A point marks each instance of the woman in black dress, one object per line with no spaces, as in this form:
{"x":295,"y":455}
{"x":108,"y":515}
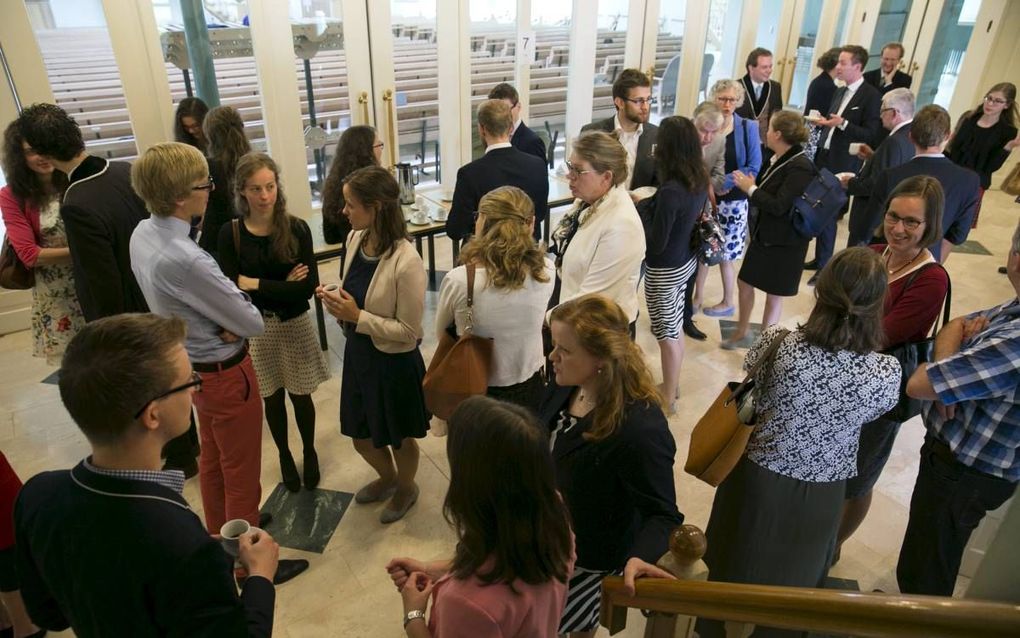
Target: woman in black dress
{"x":819,"y":96}
{"x":985,"y":136}
{"x":358,"y":147}
{"x":775,"y":258}
{"x":224,"y":129}
{"x":380,"y":305}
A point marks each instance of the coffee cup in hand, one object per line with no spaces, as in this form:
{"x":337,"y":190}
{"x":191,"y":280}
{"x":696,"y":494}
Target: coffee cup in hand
{"x":855,"y":148}
{"x":331,"y":287}
{"x":231,"y":532}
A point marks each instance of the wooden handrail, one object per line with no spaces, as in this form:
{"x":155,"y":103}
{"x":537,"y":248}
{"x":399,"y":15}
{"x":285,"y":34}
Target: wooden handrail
{"x":821,"y":610}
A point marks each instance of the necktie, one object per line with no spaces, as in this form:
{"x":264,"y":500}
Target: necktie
{"x":757,"y":92}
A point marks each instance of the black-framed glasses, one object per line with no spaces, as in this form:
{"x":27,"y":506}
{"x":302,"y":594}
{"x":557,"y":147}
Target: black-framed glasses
{"x":208,"y":186}
{"x":574,"y":171}
{"x":641,"y":101}
{"x":725,"y":99}
{"x":909,"y":223}
{"x":196,"y":382}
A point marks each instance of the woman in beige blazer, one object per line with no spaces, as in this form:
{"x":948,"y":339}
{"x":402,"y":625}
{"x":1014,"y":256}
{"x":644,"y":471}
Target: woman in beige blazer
{"x":379,"y":306}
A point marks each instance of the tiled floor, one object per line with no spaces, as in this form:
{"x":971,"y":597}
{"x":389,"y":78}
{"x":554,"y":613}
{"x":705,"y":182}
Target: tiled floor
{"x":347,"y":592}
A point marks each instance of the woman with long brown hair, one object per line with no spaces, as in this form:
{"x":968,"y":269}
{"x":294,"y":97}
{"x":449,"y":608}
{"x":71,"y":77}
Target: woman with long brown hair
{"x":613,"y":452}
{"x":268,"y":253}
{"x":188,"y":119}
{"x":358,"y":147}
{"x":380,"y":305}
{"x":513,"y":282}
{"x":227,"y":143}
{"x":30,"y":203}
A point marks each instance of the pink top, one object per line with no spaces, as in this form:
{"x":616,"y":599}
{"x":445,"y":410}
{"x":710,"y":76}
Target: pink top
{"x":22,"y":226}
{"x":471,"y":609}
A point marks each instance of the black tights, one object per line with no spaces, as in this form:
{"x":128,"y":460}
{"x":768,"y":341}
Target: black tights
{"x":304,"y":414}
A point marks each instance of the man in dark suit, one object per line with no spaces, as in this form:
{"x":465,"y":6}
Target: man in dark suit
{"x":762,"y":95}
{"x":522,"y":138}
{"x":110,"y":547}
{"x":100,"y":211}
{"x":632,"y":96}
{"x":961,"y":186}
{"x":502,"y":165}
{"x":854,"y":117}
{"x":897,"y":148}
{"x":888,"y":76}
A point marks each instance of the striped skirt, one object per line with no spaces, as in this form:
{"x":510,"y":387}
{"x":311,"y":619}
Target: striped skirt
{"x":584,"y":593}
{"x":664,"y":294}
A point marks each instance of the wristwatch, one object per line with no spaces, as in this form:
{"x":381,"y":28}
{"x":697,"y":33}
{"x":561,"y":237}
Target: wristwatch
{"x":414,"y":614}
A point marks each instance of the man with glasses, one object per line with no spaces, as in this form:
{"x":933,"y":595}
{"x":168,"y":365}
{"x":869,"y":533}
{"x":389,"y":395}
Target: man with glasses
{"x":521,"y":137}
{"x":970,"y":460}
{"x":179,"y":279}
{"x":888,"y":76}
{"x":929,"y":132}
{"x":110,"y":547}
{"x":897,"y":114}
{"x":762,"y":96}
{"x":99,"y":211}
{"x":632,"y":97}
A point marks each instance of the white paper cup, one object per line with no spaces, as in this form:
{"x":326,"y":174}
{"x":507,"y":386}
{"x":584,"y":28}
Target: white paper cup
{"x":855,"y":148}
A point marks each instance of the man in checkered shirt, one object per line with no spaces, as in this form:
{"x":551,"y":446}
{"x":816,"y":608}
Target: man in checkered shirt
{"x":970,"y":460}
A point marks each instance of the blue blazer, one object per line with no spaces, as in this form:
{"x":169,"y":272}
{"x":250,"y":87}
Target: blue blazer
{"x":748,"y":150}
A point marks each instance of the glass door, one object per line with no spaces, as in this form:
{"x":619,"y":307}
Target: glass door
{"x":797,"y":54}
{"x":939,"y":67}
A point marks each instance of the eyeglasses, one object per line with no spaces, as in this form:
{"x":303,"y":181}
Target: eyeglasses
{"x":995,"y":100}
{"x":379,"y":145}
{"x":641,"y":101}
{"x":208,"y":186}
{"x":196,"y":382}
{"x":908,"y":222}
{"x":572,"y":171}
{"x":726,"y":100}
{"x":888,"y":108}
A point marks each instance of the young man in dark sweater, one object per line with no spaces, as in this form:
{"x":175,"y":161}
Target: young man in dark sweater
{"x":110,"y":547}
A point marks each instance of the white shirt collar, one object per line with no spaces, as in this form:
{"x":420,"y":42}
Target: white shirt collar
{"x":493,"y":147}
{"x":618,"y":127}
{"x":900,"y":125}
{"x":517,"y":125}
{"x":940,"y":155}
{"x":856,"y":85}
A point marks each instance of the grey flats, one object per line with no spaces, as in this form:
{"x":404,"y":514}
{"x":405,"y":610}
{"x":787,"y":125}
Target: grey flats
{"x":391,"y":516}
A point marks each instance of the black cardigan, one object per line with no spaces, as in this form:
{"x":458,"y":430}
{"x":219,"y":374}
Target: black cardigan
{"x":620,"y":491}
{"x":219,"y":210}
{"x":780,"y":184}
{"x":118,"y":557}
{"x":286,"y":299}
{"x":670,"y":225}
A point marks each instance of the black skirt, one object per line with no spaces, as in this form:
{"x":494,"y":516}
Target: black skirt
{"x":381,"y":396}
{"x":877,"y":439}
{"x":775,"y":270}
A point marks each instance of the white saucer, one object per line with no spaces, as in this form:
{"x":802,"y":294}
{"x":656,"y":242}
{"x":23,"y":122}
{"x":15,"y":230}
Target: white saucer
{"x":437,"y":219}
{"x":417,"y":223}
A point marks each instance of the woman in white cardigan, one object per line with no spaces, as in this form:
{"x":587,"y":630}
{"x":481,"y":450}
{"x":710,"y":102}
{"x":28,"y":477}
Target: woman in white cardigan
{"x":380,"y":305}
{"x":599,"y":244}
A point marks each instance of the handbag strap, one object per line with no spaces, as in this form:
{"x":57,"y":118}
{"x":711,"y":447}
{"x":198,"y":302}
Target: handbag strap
{"x":236,"y":226}
{"x":946,"y":307}
{"x":765,"y":359}
{"x":470,"y":297}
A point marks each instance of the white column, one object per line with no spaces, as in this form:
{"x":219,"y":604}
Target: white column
{"x":650,"y":40}
{"x":826,"y":32}
{"x":584,"y":23}
{"x":453,"y":28}
{"x":524,"y":55}
{"x":989,"y":23}
{"x":273,"y":44}
{"x":862,"y":26}
{"x":633,"y":47}
{"x":354,"y":15}
{"x":381,"y":73}
{"x":136,"y":48}
{"x":692,"y":56}
{"x":746,"y":38}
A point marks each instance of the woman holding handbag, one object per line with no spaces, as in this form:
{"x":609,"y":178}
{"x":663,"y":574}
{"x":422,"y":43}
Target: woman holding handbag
{"x":512,"y":285}
{"x":669,"y":260}
{"x":613,"y":453}
{"x":30,"y":203}
{"x":774,"y":518}
{"x":917,"y":292}
{"x":268,"y":254}
{"x":514,"y":550}
{"x":743,"y":154}
{"x":775,"y":258}
{"x":380,"y":304}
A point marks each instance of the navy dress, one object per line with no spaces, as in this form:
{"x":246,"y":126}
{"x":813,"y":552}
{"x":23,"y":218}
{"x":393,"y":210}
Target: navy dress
{"x":381,"y":396}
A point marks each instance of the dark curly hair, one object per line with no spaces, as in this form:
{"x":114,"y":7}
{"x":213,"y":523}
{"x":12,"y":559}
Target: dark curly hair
{"x":190,"y":107}
{"x":51,"y":132}
{"x":678,"y":154}
{"x":24,"y":182}
{"x":224,"y":133}
{"x":354,"y":150}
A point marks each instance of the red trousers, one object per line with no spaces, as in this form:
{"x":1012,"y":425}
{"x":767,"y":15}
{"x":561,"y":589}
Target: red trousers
{"x":10,"y":485}
{"x":230,"y":415}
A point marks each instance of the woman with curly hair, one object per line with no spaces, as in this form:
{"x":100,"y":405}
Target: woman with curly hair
{"x":358,"y":147}
{"x":224,"y":129}
{"x":31,"y":212}
{"x":513,"y":283}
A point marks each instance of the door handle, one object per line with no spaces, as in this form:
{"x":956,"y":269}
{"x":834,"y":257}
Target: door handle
{"x":391,"y":124}
{"x":363,"y":101}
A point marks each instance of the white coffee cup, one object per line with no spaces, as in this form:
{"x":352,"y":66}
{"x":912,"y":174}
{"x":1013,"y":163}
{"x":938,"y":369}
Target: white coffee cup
{"x":331,"y":287}
{"x":855,"y":148}
{"x":814,"y":114}
{"x":440,"y":214}
{"x":420,"y":218}
{"x":230,"y":535}
{"x":421,"y":202}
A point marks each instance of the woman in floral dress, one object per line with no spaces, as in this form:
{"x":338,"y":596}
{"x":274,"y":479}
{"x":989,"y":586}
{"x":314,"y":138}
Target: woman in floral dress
{"x":31,"y":213}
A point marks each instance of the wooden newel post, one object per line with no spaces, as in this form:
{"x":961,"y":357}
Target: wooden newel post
{"x":687,"y":545}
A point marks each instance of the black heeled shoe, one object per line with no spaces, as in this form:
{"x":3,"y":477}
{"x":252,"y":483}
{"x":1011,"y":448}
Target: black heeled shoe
{"x":311,"y":470}
{"x":291,"y":479}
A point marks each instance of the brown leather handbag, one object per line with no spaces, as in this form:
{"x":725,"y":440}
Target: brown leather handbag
{"x":460,"y":367}
{"x":721,"y":435}
{"x":14,"y":274}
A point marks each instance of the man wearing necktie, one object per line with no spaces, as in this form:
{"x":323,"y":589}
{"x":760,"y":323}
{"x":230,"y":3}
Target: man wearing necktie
{"x":854,"y":117}
{"x":764,"y":95}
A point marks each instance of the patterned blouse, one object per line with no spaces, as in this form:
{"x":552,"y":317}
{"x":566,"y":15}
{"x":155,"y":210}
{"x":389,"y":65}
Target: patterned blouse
{"x":812,"y":403}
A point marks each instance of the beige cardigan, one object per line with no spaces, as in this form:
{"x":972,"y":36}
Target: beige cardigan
{"x":395,"y":301}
